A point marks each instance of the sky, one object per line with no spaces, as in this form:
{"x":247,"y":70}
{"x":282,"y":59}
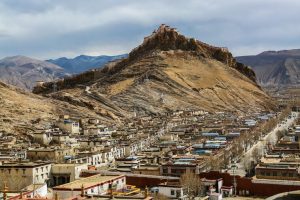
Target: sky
{"x":47,"y":29}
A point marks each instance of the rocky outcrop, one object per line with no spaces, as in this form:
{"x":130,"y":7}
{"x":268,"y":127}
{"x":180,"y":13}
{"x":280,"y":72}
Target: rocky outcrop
{"x":166,"y":38}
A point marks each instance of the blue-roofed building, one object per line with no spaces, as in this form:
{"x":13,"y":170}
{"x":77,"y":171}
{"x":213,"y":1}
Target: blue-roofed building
{"x":202,"y":152}
{"x":222,"y":138}
{"x":210,"y":135}
{"x":212,"y":146}
{"x":232,"y":135}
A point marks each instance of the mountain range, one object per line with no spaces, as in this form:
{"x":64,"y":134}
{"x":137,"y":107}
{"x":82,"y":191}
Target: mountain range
{"x":83,"y":63}
{"x":275,"y":68}
{"x":168,"y":71}
{"x":25,"y":72}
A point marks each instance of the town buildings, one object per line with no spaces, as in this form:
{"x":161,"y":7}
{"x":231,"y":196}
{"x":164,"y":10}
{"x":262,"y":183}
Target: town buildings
{"x":152,"y":151}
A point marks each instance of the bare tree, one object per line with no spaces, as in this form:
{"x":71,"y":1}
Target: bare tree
{"x":255,"y":154}
{"x":214,"y":162}
{"x":280,"y":134}
{"x":191,"y":184}
{"x":225,"y":158}
{"x":247,"y":164}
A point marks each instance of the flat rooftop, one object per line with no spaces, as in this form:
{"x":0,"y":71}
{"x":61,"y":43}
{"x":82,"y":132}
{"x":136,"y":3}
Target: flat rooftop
{"x":23,"y":164}
{"x":88,"y":182}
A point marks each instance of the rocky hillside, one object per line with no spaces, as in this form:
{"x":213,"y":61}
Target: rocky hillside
{"x":83,"y":63}
{"x":275,"y":68}
{"x":166,"y":72}
{"x":24,"y":72}
{"x":22,"y":111}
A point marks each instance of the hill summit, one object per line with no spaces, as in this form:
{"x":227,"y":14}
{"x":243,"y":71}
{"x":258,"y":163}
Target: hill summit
{"x":168,"y":71}
{"x":166,"y":38}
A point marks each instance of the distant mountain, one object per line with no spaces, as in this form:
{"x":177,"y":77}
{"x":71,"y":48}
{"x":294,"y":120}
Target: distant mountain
{"x":83,"y":63}
{"x":24,"y":72}
{"x":275,"y":68}
{"x":167,"y":72}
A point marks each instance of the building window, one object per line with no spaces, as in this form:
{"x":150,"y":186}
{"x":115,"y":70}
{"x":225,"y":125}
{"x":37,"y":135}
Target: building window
{"x":274,"y":173}
{"x":172,"y":192}
{"x":92,"y":190}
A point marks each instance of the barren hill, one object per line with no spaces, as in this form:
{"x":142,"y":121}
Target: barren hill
{"x":22,"y":111}
{"x":166,"y":72}
{"x":275,"y":68}
{"x":24,"y":72}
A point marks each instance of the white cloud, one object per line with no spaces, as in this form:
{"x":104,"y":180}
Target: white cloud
{"x":50,"y":28}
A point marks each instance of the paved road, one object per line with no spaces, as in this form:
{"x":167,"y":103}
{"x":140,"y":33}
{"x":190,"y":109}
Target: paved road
{"x":270,"y":137}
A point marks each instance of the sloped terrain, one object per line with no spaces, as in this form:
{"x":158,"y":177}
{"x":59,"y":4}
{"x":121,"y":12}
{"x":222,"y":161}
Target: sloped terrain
{"x":22,"y":111}
{"x":166,"y":72}
{"x":24,"y":72}
{"x":275,"y":68}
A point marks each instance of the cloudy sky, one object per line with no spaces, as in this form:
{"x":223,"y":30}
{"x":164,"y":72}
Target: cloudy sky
{"x":55,"y":28}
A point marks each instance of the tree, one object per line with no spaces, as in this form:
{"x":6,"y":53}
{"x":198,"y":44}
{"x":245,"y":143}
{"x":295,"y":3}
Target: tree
{"x":247,"y":164}
{"x":280,"y":134}
{"x":214,"y":162}
{"x":256,"y":154}
{"x":226,"y":158}
{"x":191,"y":184}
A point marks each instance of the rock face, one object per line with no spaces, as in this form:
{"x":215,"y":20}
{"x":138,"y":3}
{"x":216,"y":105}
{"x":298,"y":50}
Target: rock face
{"x":275,"y":68}
{"x":166,"y":72}
{"x":83,"y":63}
{"x":24,"y":72}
